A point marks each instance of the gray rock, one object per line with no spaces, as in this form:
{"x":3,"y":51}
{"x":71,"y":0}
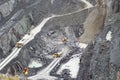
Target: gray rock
{"x":7,"y":7}
{"x":100,"y":60}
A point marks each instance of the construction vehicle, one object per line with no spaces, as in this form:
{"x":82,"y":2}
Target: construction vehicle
{"x":64,"y":40}
{"x":19,"y":45}
{"x":25,"y":71}
{"x":56,"y":55}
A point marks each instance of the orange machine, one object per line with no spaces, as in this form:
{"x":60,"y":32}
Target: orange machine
{"x":25,"y":71}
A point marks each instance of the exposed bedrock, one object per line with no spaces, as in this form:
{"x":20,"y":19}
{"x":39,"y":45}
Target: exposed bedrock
{"x":18,"y":17}
{"x":100,"y":60}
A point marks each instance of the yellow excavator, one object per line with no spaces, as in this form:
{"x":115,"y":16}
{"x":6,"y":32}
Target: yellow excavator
{"x":19,"y":45}
{"x":56,"y":55}
{"x":64,"y":40}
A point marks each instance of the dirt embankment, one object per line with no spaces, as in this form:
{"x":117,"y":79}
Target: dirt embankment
{"x":94,"y":24}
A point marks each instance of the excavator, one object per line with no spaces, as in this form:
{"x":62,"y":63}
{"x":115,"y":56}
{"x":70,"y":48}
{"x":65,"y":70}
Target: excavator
{"x":25,"y":71}
{"x":56,"y":55}
{"x":19,"y":45}
{"x":64,"y":40}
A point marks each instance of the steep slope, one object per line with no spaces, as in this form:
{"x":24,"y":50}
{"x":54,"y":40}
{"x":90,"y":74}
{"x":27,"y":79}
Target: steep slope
{"x":100,"y":60}
{"x":93,"y":24}
{"x":21,"y":16}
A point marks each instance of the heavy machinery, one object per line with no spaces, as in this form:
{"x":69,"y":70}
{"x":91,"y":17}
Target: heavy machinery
{"x":25,"y":71}
{"x":19,"y":45}
{"x":56,"y":55}
{"x":64,"y":40}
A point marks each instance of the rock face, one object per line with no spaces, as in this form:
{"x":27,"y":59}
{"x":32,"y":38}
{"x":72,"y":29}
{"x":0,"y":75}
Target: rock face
{"x":92,"y":1}
{"x":18,"y":17}
{"x":100,"y":60}
{"x":7,"y":7}
{"x":9,"y":39}
{"x":14,"y":28}
{"x":93,"y":24}
{"x":49,"y":40}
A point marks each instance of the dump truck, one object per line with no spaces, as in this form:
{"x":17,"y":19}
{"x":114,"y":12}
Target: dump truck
{"x":19,"y":45}
{"x":56,"y":55}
